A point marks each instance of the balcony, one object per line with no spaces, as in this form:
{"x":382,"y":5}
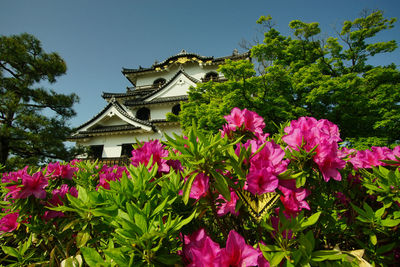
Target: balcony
{"x":214,"y":79}
{"x":120,"y":161}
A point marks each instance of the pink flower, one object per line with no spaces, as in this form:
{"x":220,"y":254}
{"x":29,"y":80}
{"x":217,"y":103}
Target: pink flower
{"x":58,"y":196}
{"x":60,"y":170}
{"x":31,"y":185}
{"x":200,"y":250}
{"x":265,"y":166}
{"x":293,"y":198}
{"x":110,"y":174}
{"x":372,"y":158}
{"x":9,"y":222}
{"x":14,"y":176}
{"x":328,"y":160}
{"x":307,"y":133}
{"x":200,"y":186}
{"x":237,"y":252}
{"x":261,"y":181}
{"x":150,"y":149}
{"x":225,"y":206}
{"x":243,"y":120}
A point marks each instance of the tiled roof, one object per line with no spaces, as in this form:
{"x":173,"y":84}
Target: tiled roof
{"x":120,"y":109}
{"x":183,"y":53}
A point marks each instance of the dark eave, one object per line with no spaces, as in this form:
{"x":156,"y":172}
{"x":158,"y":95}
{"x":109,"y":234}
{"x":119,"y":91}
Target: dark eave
{"x":107,"y":129}
{"x":156,"y":101}
{"x":135,"y":93}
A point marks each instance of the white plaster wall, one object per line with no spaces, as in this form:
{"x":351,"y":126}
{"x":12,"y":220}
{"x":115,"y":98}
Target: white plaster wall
{"x":159,"y":112}
{"x":193,"y":69}
{"x":110,"y":151}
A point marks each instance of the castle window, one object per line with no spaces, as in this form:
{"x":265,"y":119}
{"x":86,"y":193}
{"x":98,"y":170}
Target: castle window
{"x":159,"y":82}
{"x":143,"y":114}
{"x":126,"y":150}
{"x":96,"y":152}
{"x":211,"y":76}
{"x":176,"y":109}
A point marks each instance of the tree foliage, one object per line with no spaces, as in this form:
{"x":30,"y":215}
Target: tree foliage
{"x":305,"y":75}
{"x":27,"y":133}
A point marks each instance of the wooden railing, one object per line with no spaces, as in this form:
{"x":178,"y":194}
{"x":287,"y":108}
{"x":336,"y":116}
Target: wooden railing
{"x":120,"y":161}
{"x":215,"y":79}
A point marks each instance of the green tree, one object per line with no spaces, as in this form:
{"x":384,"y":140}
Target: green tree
{"x":305,"y":75}
{"x":27,"y":135}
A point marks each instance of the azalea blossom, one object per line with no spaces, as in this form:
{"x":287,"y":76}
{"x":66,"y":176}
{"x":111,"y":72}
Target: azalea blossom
{"x":150,"y":149}
{"x":110,"y":174}
{"x":200,"y":186}
{"x":30,"y":185}
{"x":237,"y":252}
{"x":58,"y":196}
{"x":14,"y":176}
{"x":373,"y":157}
{"x":243,"y":120}
{"x":199,"y":250}
{"x":61,"y":170}
{"x":9,"y":222}
{"x":293,"y":198}
{"x":265,"y":166}
{"x":224,"y":207}
{"x":307,"y":133}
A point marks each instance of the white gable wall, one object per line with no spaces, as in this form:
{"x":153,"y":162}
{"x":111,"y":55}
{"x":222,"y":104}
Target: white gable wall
{"x":193,"y":69}
{"x":114,"y":120}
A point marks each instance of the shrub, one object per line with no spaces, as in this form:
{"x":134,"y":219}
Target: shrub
{"x":238,"y":198}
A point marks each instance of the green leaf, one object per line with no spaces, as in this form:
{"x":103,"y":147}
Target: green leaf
{"x":390,"y":222}
{"x":185,"y":221}
{"x":308,"y":241}
{"x":323,"y":255}
{"x":140,"y":221}
{"x":26,"y":245}
{"x":221,"y":185}
{"x":269,"y":248}
{"x":310,"y":220}
{"x":385,"y":248}
{"x":159,"y":207}
{"x":372,"y":238}
{"x":82,"y":238}
{"x":187,"y":187}
{"x":11,"y":251}
{"x":82,"y":194}
{"x":277,"y":257}
{"x":301,"y":181}
{"x":369,"y":210}
{"x":92,"y":257}
{"x":379,"y":213}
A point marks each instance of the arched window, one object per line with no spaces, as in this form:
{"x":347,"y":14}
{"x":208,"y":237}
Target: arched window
{"x":159,"y":82}
{"x":211,"y":76}
{"x":176,"y":109}
{"x":143,"y":114}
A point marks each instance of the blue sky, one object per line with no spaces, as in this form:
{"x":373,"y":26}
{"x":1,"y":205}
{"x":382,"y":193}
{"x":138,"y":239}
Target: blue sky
{"x":98,"y":38}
